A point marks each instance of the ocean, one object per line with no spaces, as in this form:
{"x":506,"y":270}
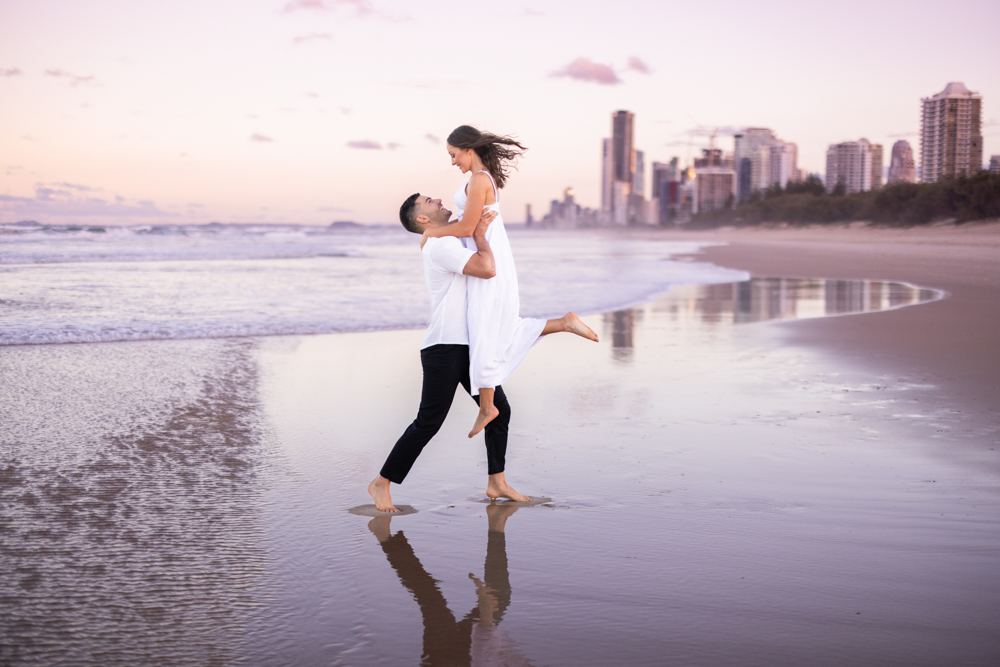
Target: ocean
{"x":70,"y":284}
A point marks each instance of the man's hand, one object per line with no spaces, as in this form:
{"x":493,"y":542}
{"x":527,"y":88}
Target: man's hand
{"x":482,"y":265}
{"x":485,"y":219}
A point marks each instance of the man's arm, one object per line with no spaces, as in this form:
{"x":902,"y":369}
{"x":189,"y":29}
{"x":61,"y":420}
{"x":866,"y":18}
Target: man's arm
{"x":481,"y":265}
{"x":466,"y":227}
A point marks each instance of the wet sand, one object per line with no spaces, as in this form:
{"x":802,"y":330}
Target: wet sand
{"x":724,"y":490}
{"x":954,"y":344}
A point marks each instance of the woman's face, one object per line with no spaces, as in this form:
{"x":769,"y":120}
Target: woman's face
{"x":461,"y":158}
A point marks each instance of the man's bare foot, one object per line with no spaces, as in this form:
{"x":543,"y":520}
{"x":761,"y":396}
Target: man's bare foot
{"x":573,"y":324}
{"x":379,"y":490}
{"x":482,"y":419}
{"x":498,"y":487}
{"x":380,"y":528}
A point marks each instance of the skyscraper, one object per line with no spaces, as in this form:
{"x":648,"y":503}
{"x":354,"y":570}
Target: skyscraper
{"x":618,"y":203}
{"x":663,"y":172}
{"x":850,"y":163}
{"x":995,"y":164}
{"x":714,"y":188}
{"x":640,"y":174}
{"x":607,"y":175}
{"x":783,"y":163}
{"x":951,"y":134}
{"x":623,"y":148}
{"x":752,"y":160}
{"x":901,"y":165}
{"x":876,"y":178}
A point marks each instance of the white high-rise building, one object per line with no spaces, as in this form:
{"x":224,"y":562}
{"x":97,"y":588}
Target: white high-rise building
{"x":876,"y":166}
{"x":607,"y":176}
{"x":901,"y":165}
{"x":714,"y":188}
{"x":640,"y":174}
{"x":951,"y":134}
{"x":620,"y":193}
{"x":850,"y":163}
{"x":752,"y":160}
{"x":783,"y":163}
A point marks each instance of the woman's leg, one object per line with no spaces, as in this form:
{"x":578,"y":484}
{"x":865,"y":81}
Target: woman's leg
{"x":570,"y":323}
{"x":487,"y":411}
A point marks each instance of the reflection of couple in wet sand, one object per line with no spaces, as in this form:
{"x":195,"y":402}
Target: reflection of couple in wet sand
{"x":476,"y":639}
{"x":476,"y":336}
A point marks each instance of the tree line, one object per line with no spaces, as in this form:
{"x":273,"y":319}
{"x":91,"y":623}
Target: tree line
{"x":962,"y":199}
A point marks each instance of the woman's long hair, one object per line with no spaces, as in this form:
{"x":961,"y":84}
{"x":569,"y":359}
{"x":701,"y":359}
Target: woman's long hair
{"x":497,"y":153}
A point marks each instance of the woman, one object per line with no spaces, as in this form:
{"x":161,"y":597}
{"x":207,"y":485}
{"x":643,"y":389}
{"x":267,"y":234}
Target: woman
{"x":498,"y":337}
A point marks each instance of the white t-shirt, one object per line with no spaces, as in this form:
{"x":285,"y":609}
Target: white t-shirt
{"x":444,"y":260}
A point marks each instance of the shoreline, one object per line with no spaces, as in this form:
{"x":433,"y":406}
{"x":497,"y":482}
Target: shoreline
{"x":953,"y":343}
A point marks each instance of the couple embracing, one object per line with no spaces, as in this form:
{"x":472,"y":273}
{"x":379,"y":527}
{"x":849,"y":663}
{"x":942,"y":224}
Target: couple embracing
{"x":476,"y":336}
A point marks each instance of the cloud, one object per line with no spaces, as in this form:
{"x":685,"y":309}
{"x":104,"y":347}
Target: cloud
{"x":11,"y":71}
{"x":365,"y":144}
{"x":638,"y":65}
{"x":295,"y":5}
{"x":584,"y":69}
{"x":75,"y":186}
{"x":73,"y":79}
{"x":312,"y":37}
{"x":362,"y":7}
{"x":261,"y":138}
{"x":533,"y":12}
{"x":992,"y":122}
{"x":314,"y":96}
{"x":430,"y":137}
{"x":67,"y":200}
{"x":393,"y":146}
{"x":333,"y":209}
{"x":434,"y":84}
{"x":903,"y":135}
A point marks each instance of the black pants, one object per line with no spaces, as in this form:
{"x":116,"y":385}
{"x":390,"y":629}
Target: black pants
{"x":445,"y":367}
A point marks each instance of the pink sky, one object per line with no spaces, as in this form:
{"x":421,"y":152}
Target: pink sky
{"x":311,"y":111}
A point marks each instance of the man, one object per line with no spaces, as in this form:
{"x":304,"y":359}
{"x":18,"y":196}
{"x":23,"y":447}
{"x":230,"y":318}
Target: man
{"x":444,"y":353}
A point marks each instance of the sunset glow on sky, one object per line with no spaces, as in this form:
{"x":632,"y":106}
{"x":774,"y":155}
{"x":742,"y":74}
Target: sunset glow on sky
{"x":311,"y":111}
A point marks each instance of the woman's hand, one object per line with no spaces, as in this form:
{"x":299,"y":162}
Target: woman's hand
{"x":423,"y":239}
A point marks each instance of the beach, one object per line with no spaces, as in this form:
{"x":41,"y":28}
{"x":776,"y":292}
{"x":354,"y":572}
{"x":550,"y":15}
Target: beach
{"x":800,"y":468}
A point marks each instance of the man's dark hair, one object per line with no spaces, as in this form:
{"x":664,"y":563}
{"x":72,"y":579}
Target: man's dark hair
{"x":408,"y":214}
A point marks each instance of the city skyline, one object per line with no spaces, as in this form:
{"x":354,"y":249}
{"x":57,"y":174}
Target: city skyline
{"x":312,"y":111}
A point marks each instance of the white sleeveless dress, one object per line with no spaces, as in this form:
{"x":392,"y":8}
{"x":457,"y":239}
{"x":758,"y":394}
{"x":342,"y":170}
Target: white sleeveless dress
{"x":499,"y":338}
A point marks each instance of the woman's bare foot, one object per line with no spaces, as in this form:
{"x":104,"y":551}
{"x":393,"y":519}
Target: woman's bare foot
{"x":498,"y":487}
{"x":484,"y":418}
{"x":573,"y":324}
{"x":379,"y":490}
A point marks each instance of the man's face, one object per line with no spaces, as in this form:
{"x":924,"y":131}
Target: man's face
{"x":432,"y":210}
